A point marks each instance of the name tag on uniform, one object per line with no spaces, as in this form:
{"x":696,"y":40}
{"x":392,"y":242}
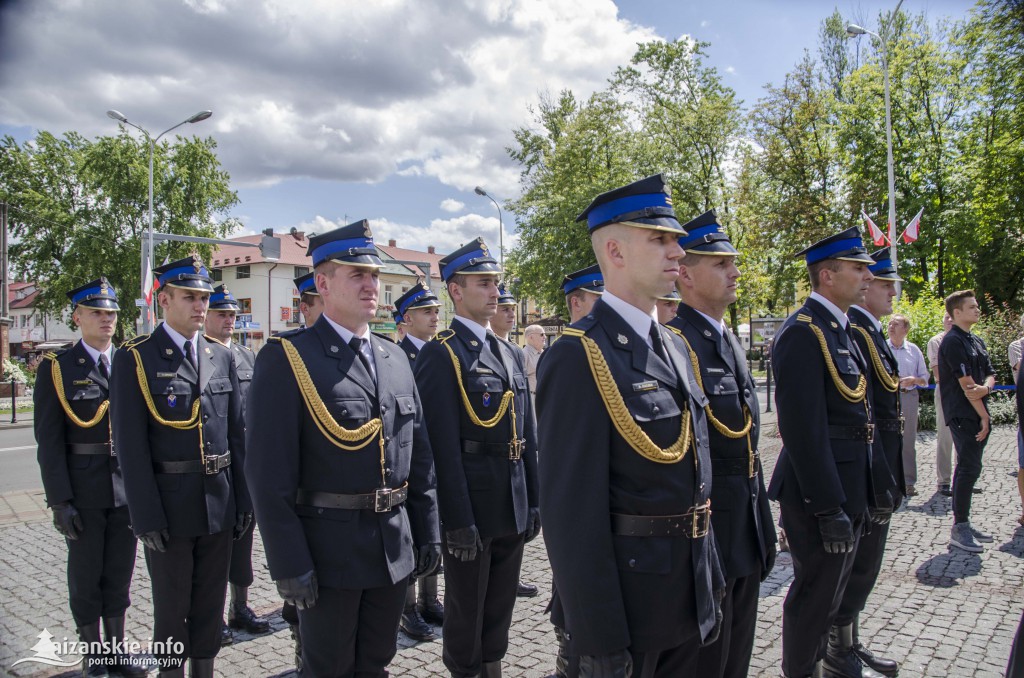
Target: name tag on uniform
{"x":714,"y":370}
{"x":83,"y":382}
{"x":166,"y":375}
{"x":842,"y":351}
{"x":646,"y":386}
{"x":483,"y":370}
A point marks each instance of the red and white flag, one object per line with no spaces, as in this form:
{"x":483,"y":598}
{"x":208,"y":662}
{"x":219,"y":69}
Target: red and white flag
{"x":910,"y":233}
{"x":147,"y":284}
{"x":876,"y":233}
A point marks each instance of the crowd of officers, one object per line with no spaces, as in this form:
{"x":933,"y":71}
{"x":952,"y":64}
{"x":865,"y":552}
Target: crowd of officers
{"x":370,"y":466}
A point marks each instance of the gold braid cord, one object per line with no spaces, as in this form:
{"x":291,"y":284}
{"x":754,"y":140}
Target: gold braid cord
{"x":854,"y":395}
{"x":719,"y":426}
{"x":506,"y":397}
{"x":619,"y":413}
{"x":889,"y":382}
{"x":58,"y":385}
{"x":184,"y":425}
{"x":338,"y":435}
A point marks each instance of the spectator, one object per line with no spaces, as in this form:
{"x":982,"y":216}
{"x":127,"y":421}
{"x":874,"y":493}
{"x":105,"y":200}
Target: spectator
{"x":1020,"y":452}
{"x":534,"y":347}
{"x":1014,"y":351}
{"x":943,"y":438}
{"x":913,"y":374}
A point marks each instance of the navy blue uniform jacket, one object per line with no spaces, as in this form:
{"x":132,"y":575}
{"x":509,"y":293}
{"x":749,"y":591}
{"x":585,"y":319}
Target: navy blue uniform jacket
{"x":494,"y":493}
{"x":740,"y":512}
{"x":817,"y":471}
{"x":86,"y":480}
{"x":348,"y":549}
{"x":614,"y":591}
{"x":187,"y":504}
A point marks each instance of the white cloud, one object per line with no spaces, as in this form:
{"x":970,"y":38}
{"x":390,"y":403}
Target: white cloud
{"x":705,"y":23}
{"x":730,"y":70}
{"x":340,"y":91}
{"x":452,"y":205}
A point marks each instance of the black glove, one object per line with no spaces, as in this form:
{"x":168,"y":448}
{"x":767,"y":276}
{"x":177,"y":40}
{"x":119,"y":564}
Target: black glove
{"x":716,"y":630}
{"x":836,"y":531}
{"x":769,"y":560}
{"x":428,"y":557}
{"x":155,"y":540}
{"x":618,"y":664}
{"x":464,"y":543}
{"x":300,"y":591}
{"x":67,"y":520}
{"x":881,"y":512}
{"x":243,"y":521}
{"x":532,"y":525}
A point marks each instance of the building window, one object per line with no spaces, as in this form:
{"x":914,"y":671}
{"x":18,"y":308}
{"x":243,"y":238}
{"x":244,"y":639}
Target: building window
{"x":245,"y":304}
{"x":242,"y":272}
{"x":216,"y":274}
{"x":387,"y":295}
{"x":39,"y":319}
{"x":301,"y":271}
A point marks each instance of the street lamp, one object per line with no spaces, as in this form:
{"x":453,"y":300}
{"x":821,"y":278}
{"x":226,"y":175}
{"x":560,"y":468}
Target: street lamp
{"x":117,"y":115}
{"x":501,"y":227}
{"x":853,"y":31}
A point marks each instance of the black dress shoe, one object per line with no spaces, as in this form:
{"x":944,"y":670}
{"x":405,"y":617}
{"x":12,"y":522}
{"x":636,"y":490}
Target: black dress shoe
{"x":977,"y":490}
{"x":945,"y":491}
{"x":241,"y":617}
{"x":432,"y":611}
{"x":226,"y":637}
{"x":887,"y":667}
{"x":414,"y":626}
{"x":524,"y":590}
{"x":846,"y":665}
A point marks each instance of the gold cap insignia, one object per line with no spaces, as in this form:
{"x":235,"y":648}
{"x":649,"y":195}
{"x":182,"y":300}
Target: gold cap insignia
{"x":197,"y":266}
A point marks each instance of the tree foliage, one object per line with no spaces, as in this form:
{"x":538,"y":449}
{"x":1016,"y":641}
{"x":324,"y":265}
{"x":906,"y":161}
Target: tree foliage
{"x":80,"y":209}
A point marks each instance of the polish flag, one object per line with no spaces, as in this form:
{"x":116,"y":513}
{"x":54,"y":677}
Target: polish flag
{"x":876,"y":233}
{"x":911,"y":232}
{"x":150,"y":285}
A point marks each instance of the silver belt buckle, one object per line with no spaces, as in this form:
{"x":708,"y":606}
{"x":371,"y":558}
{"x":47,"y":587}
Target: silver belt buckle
{"x":210,"y":465}
{"x":382,"y":499}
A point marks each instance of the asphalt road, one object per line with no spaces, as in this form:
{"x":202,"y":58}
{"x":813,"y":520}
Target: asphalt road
{"x":18,"y":467}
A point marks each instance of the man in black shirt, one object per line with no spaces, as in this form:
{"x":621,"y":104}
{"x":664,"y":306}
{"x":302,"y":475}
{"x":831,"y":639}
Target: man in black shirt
{"x":963,"y":359}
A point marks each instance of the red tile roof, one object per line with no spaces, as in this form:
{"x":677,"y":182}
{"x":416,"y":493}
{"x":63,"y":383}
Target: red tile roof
{"x":26,"y":302}
{"x":293,"y":251}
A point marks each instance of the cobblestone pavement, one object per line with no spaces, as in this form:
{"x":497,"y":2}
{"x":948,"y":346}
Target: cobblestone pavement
{"x":940,"y":613}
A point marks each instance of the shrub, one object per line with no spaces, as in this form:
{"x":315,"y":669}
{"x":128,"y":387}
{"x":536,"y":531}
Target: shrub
{"x":14,"y":370}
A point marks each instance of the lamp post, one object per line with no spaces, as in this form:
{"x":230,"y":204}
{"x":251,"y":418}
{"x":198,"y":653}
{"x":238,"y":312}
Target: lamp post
{"x":853,"y":31}
{"x":147,"y":252}
{"x":501,"y":227}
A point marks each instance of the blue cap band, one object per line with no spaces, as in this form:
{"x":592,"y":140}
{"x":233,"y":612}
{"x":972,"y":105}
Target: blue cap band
{"x":631,"y":203}
{"x":187,"y":272}
{"x":308,"y":286}
{"x":94,"y":293}
{"x":411,"y":300}
{"x":581,"y":281}
{"x":883,"y":265}
{"x":456,"y":265}
{"x":832,"y":248}
{"x":351,"y":247}
{"x":702,"y":235}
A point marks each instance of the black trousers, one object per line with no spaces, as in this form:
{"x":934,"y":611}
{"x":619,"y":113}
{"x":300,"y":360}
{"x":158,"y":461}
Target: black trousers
{"x":729,"y":656}
{"x":479,"y":597}
{"x":100,"y":565}
{"x":867,"y":563}
{"x":1015,"y":667}
{"x":189,"y":580}
{"x":351,"y":632}
{"x":968,"y":465}
{"x":819,"y":581}
{"x":240,"y":573}
{"x":671,"y":663}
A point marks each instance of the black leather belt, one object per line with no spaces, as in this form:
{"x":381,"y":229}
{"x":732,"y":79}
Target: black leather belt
{"x":90,"y":448}
{"x":865,"y":432}
{"x":380,"y":500}
{"x":735,"y":466}
{"x":694,"y":524}
{"x":890,"y":425}
{"x":511,"y":450}
{"x":211,"y":465}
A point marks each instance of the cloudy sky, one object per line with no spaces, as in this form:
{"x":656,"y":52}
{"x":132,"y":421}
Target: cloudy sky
{"x":329,"y":111}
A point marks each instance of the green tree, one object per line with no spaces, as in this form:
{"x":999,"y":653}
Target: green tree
{"x":80,"y":209}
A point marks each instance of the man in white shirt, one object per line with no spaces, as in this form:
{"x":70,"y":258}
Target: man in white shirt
{"x":913,"y":374}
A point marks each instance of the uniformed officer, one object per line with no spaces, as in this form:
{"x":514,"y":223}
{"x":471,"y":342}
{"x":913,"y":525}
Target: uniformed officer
{"x":176,"y":411}
{"x":846,"y":655}
{"x":220,"y":324}
{"x":741,"y":514}
{"x":502,"y":324}
{"x":582,"y":289}
{"x":82,"y":478}
{"x":625,"y":498}
{"x":311,"y":305}
{"x":667,"y":306}
{"x":340,"y":467}
{"x":416,"y":312}
{"x":476,"y":403}
{"x":821,"y":479}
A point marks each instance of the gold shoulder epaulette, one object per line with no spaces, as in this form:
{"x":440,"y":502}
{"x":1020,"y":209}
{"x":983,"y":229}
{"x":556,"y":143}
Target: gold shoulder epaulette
{"x":573,"y":332}
{"x":49,"y":354}
{"x":276,"y":340}
{"x":804,"y":318}
{"x":214,"y":340}
{"x":135,"y":341}
{"x":444,"y":335}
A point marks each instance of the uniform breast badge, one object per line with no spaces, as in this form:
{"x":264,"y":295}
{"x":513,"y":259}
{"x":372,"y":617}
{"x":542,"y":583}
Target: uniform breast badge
{"x":172,"y":400}
{"x":487,"y":399}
